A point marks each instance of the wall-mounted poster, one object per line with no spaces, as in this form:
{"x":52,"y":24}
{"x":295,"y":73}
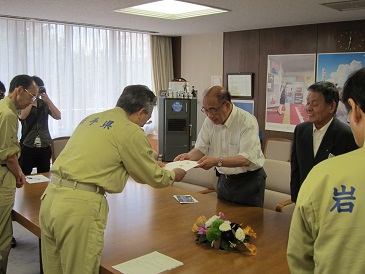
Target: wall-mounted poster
{"x":336,"y":67}
{"x":247,"y":105}
{"x":288,"y":77}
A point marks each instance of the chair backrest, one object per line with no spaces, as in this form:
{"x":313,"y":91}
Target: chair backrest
{"x":278,"y":149}
{"x":57,"y":145}
{"x":201,"y":177}
{"x":277,"y":183}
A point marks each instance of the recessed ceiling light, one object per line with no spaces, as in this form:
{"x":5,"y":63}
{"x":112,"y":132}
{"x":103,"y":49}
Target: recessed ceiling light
{"x":171,"y":10}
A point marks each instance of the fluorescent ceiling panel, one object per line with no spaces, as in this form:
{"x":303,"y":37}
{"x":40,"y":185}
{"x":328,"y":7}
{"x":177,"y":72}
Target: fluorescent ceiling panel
{"x":171,"y":10}
{"x":346,"y":5}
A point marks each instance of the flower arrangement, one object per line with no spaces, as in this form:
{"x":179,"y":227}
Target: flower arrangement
{"x":220,"y":233}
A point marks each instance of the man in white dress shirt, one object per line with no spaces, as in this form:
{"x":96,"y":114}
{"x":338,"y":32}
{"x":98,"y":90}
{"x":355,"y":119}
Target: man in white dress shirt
{"x":229,"y":140}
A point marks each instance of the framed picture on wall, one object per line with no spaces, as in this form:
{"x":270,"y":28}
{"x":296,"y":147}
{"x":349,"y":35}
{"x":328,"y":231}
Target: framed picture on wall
{"x":240,"y":85}
{"x":288,"y":78}
{"x":336,"y":68}
{"x":247,"y":105}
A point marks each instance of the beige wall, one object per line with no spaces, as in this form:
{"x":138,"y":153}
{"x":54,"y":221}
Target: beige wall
{"x":201,"y":58}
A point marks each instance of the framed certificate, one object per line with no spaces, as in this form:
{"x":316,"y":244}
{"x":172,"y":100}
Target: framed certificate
{"x":240,"y":84}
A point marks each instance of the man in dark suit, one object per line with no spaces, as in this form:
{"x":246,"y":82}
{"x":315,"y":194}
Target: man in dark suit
{"x":322,"y":137}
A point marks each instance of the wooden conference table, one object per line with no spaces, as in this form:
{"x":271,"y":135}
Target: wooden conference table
{"x":143,"y":219}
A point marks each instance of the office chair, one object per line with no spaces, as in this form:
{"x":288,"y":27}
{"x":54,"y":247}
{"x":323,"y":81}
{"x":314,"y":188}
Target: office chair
{"x":277,"y":190}
{"x":278,"y":149}
{"x":57,"y":145}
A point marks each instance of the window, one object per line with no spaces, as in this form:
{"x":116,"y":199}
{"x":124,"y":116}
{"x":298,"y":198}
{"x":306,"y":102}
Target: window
{"x":84,"y":68}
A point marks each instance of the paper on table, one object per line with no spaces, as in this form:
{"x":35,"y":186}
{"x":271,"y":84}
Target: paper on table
{"x":33,"y":179}
{"x":152,"y":263}
{"x":185,"y":165}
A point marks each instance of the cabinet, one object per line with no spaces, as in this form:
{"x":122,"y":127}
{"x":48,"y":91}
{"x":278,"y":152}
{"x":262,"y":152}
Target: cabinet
{"x":177,"y":126}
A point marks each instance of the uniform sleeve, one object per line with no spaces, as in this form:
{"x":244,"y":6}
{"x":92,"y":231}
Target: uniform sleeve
{"x":303,"y":230}
{"x":9,"y":141}
{"x":140,"y":164}
{"x":300,"y":244}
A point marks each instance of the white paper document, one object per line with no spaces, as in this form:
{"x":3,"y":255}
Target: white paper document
{"x":152,"y":263}
{"x":33,"y":179}
{"x":185,"y":165}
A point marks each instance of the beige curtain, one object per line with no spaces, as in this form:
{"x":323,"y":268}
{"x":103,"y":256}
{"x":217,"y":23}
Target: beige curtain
{"x":162,"y":67}
{"x":162,"y":64}
{"x":75,"y":62}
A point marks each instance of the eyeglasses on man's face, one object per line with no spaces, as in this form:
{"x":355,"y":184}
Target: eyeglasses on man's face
{"x":211,"y":111}
{"x":33,"y":97}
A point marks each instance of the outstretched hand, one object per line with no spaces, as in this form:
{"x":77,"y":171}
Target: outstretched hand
{"x":207,"y":162}
{"x":180,"y":157}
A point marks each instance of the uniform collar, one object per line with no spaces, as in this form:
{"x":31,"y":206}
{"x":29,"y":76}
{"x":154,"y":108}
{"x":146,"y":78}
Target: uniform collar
{"x":10,"y":104}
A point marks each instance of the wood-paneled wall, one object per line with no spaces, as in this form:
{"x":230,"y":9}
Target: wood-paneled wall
{"x":247,"y":51}
{"x":176,"y":55}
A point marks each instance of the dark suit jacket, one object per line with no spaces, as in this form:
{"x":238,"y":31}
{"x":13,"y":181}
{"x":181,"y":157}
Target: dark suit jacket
{"x":337,"y":140}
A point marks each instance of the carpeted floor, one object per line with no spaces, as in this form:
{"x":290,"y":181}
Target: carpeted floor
{"x":24,"y":259}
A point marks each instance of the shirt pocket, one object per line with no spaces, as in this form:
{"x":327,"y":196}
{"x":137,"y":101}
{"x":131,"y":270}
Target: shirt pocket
{"x":233,"y":149}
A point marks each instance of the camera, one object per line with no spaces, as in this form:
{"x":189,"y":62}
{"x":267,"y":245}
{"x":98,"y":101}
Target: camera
{"x":42,"y":89}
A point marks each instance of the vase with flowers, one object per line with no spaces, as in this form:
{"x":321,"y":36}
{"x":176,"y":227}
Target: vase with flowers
{"x":220,"y":233}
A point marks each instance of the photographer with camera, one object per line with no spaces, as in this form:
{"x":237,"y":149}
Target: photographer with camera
{"x":36,"y":139}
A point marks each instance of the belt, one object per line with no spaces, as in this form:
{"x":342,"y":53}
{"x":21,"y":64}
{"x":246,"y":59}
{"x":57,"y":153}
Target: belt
{"x":234,"y":176}
{"x":77,"y":185}
{"x":239,"y":175}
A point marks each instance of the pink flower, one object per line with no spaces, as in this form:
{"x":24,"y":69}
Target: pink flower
{"x":202,"y":230}
{"x":222,"y":217}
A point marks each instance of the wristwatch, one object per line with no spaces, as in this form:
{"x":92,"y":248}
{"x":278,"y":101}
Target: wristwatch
{"x":220,"y":162}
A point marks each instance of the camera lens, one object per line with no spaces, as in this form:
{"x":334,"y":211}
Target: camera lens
{"x":42,"y":89}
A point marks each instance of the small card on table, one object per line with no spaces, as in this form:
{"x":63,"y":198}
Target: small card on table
{"x":185,"y":199}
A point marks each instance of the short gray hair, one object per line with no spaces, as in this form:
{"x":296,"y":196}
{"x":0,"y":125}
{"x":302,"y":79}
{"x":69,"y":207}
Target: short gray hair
{"x":137,"y":97}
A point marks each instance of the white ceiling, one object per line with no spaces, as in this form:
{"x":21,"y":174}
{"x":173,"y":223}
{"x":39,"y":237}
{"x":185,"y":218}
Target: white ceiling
{"x":244,"y":15}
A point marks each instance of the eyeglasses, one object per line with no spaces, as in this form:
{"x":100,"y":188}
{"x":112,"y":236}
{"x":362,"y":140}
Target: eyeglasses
{"x":32,"y":95}
{"x":211,"y":111}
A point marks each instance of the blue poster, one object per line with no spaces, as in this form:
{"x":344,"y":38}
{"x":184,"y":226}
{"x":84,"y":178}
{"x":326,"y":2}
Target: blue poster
{"x":335,"y":68}
{"x":245,"y":105}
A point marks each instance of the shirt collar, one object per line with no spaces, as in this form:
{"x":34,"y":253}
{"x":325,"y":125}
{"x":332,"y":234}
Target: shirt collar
{"x":324,"y":128}
{"x":229,"y":120}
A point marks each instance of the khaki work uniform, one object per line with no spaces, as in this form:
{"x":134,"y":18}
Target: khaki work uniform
{"x":105,"y":149}
{"x":328,"y":226}
{"x":8,"y":146}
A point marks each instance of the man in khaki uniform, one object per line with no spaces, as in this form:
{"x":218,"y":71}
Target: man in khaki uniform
{"x":105,"y":149}
{"x":328,"y":224}
{"x":21,"y":92}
